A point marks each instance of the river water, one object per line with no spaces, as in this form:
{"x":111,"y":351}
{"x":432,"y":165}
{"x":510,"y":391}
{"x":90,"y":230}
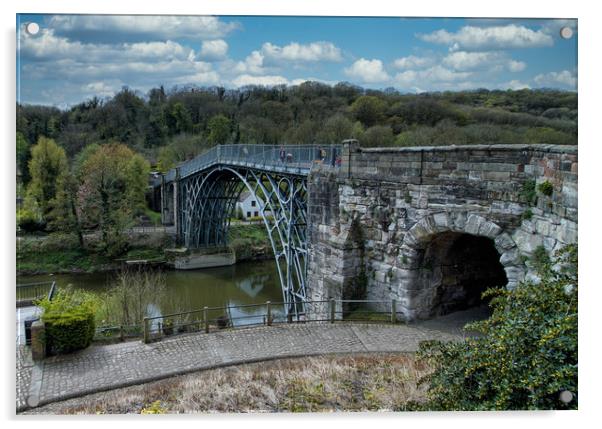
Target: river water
{"x":244,"y":283}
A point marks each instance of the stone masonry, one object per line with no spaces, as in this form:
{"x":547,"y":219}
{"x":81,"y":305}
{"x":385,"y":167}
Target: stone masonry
{"x":381,"y":215}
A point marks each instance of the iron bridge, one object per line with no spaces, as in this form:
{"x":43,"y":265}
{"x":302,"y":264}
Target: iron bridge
{"x":200,"y":195}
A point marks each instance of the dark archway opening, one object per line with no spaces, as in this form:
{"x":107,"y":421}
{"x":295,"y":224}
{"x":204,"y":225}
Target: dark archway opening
{"x":457,"y":268}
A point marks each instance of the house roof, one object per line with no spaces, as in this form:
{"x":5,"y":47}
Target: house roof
{"x":243,"y":196}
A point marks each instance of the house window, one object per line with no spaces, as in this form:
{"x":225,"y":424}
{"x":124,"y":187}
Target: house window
{"x":248,"y":214}
{"x":256,"y":214}
{"x":253,"y":203}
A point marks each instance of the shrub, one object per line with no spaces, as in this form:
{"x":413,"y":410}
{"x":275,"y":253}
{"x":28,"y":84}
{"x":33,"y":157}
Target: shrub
{"x":69,"y":320}
{"x":546,"y":188}
{"x":527,"y":192}
{"x":527,"y":356}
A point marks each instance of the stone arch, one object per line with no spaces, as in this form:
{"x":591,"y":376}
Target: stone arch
{"x":450,"y":226}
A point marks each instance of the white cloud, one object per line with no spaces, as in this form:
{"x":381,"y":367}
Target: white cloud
{"x":413,"y":62}
{"x":159,"y":27}
{"x":367,"y":71}
{"x":436,"y":77}
{"x":515,"y":85}
{"x":295,"y":52}
{"x":562,"y":78}
{"x":47,"y":46}
{"x":496,"y":37}
{"x":516,"y":66}
{"x":247,"y":79}
{"x":214,"y":49}
{"x":270,"y":57}
{"x":463,"y":60}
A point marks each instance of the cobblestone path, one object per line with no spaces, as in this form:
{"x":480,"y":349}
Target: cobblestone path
{"x":108,"y":367}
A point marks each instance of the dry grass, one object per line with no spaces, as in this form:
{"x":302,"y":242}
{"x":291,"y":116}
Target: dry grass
{"x":313,"y":384}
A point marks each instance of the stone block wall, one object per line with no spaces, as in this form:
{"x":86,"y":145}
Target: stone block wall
{"x":402,"y":198}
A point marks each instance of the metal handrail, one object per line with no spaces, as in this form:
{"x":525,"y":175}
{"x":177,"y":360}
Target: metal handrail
{"x":287,"y":158}
{"x":328,"y":314}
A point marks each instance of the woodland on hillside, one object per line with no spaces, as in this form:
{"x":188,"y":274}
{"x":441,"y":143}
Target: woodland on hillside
{"x":168,"y":127}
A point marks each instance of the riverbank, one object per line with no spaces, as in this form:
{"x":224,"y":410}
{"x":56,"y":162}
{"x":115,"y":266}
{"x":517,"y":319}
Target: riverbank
{"x":364,"y":382}
{"x":62,"y":254}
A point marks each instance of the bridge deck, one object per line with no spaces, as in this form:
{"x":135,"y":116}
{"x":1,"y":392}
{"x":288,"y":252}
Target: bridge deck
{"x":288,"y":159}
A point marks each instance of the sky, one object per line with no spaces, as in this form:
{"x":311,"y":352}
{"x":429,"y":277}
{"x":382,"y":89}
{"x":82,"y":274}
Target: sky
{"x":76,"y":57}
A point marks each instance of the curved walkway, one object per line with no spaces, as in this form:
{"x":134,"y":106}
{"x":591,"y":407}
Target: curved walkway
{"x":100,"y":368}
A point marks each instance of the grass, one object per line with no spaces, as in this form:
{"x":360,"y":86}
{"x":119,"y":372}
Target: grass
{"x":315,"y":384}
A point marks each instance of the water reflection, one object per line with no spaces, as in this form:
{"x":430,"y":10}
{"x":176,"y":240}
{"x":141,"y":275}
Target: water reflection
{"x":240,"y":284}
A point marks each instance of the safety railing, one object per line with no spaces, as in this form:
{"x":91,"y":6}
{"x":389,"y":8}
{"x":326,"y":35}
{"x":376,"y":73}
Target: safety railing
{"x":209,"y":319}
{"x":28,"y":293}
{"x":286,"y":158}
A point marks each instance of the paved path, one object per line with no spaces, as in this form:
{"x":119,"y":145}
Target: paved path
{"x":101,"y":368}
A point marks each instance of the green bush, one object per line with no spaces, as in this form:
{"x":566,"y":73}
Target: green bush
{"x":546,"y":188}
{"x":527,"y":355}
{"x":69,"y":321}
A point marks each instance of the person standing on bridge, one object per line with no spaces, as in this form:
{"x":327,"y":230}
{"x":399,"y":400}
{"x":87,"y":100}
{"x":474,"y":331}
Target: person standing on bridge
{"x":282,"y":154}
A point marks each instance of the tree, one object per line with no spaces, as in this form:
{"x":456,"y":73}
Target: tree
{"x":114,"y":180}
{"x":23,"y":156}
{"x":368,"y":109}
{"x":336,"y":129}
{"x":527,"y":355}
{"x":63,"y":214}
{"x":47,"y":164}
{"x":377,"y":136}
{"x":219,"y":129}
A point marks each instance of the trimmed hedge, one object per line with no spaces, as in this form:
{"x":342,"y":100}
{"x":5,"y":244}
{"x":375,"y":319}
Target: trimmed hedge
{"x":69,"y":320}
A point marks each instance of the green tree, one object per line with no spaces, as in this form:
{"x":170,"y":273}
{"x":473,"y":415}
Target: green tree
{"x":63,"y":215}
{"x":527,"y":355}
{"x":219,"y":129}
{"x":112,"y":192}
{"x":377,"y":136}
{"x":23,"y":156}
{"x":47,"y":164}
{"x":368,"y":109}
{"x":336,"y":129}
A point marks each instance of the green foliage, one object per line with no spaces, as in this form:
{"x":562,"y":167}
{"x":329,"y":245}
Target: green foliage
{"x":23,"y":157}
{"x":377,"y":136}
{"x":219,"y":129}
{"x":47,"y":165}
{"x":540,"y":258}
{"x":114,"y":181}
{"x":527,"y":214}
{"x":527,"y":192}
{"x":69,"y":320}
{"x":527,"y":355}
{"x":546,"y":188}
{"x":368,"y":109}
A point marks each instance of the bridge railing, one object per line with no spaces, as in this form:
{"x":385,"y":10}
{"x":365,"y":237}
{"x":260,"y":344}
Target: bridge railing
{"x":290,"y":158}
{"x":211,"y":319}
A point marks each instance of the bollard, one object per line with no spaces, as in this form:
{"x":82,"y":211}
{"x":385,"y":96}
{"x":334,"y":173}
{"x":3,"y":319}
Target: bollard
{"x":289,"y":317}
{"x":393,"y":311}
{"x":269,"y":308}
{"x":38,"y":340}
{"x":332,"y":310}
{"x":146,"y":331}
{"x":206,"y":318}
{"x":121,"y":335}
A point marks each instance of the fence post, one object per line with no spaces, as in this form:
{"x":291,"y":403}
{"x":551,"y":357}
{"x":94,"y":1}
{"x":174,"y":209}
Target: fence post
{"x":269,"y":307}
{"x":206,"y":318}
{"x":332,"y":309}
{"x":121,"y":336}
{"x":393,"y":311}
{"x":146,"y":331}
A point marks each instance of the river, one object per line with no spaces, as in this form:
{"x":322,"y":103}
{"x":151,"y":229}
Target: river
{"x":244,"y":283}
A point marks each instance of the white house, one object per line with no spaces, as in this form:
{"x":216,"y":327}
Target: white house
{"x":249,"y":204}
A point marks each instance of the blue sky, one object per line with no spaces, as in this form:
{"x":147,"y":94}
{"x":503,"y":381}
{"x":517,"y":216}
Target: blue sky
{"x":75,"y":57}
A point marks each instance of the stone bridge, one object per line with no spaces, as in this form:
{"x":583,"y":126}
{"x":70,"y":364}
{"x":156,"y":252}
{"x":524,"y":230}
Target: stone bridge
{"x":432,"y":227}
{"x":428,"y":227}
